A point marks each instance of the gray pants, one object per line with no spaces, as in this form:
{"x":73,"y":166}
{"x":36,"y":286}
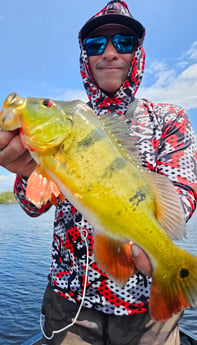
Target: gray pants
{"x":95,"y":328}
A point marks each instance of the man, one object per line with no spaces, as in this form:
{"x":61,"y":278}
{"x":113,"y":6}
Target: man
{"x":112,"y":64}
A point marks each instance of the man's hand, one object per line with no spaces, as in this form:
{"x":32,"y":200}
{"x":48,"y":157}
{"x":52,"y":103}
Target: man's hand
{"x":142,"y":261}
{"x":13,"y":156}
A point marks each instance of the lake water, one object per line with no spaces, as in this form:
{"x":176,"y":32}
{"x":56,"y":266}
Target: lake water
{"x":25,"y":256}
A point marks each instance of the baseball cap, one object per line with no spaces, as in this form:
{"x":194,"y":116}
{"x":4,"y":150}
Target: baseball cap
{"x":115,"y":12}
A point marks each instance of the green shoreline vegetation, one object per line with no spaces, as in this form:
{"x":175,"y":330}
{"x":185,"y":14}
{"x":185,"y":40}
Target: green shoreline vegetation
{"x":7,"y":198}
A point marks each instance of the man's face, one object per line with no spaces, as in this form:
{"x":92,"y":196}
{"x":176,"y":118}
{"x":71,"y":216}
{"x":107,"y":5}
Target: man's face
{"x":111,"y":68}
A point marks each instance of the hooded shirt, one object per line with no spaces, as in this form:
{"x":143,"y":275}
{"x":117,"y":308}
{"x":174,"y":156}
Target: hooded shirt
{"x":99,"y":101}
{"x":166,"y":143}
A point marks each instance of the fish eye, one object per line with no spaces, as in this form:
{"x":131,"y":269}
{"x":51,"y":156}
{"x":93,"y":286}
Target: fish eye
{"x":47,"y":102}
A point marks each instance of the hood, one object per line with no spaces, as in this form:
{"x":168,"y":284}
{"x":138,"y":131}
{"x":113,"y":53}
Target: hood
{"x":114,"y":12}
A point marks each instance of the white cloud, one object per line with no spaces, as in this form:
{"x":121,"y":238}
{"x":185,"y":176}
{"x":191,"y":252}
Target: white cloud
{"x":7,"y":182}
{"x":71,"y":94}
{"x":191,"y":54}
{"x":174,"y":83}
{"x":164,"y":81}
{"x":168,"y":87}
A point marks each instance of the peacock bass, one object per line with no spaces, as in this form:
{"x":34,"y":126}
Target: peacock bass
{"x":93,"y":162}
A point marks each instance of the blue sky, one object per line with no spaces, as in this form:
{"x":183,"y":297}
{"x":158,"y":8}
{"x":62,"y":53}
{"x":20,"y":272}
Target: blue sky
{"x":40,"y":54}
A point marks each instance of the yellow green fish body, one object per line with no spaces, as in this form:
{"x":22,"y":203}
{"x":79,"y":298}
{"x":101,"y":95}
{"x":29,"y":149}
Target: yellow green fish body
{"x":93,"y":162}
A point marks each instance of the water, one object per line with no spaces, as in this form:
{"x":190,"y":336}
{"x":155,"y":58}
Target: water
{"x":25,"y":256}
{"x":188,"y":322}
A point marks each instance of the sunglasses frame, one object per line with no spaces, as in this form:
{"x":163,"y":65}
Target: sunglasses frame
{"x":111,"y":39}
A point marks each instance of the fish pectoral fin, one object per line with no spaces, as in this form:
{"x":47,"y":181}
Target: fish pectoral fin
{"x":41,"y":188}
{"x":169,"y":209}
{"x":114,"y":258}
{"x":172,"y":291}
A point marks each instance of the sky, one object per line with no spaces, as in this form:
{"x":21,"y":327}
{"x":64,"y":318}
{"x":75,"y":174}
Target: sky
{"x":39,"y":54}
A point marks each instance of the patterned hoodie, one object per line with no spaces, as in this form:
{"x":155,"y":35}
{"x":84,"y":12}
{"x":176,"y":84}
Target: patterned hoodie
{"x":166,"y":143}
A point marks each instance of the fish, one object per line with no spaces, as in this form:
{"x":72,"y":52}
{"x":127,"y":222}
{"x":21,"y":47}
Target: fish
{"x":94,"y":163}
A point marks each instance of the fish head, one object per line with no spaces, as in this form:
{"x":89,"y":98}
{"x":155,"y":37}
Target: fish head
{"x":9,"y":118}
{"x":43,"y":123}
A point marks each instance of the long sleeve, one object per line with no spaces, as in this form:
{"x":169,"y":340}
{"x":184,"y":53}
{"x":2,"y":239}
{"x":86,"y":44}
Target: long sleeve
{"x":20,"y":194}
{"x":177,"y":157}
{"x":167,"y":145}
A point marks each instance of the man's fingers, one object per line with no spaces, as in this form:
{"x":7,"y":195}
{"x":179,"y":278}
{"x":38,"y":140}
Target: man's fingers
{"x":13,"y":155}
{"x":6,"y":137}
{"x":12,"y":151}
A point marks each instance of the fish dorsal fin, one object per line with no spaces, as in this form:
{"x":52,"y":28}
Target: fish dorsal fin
{"x":169,"y":209}
{"x":41,"y":188}
{"x":114,"y":257}
{"x":117,"y":130}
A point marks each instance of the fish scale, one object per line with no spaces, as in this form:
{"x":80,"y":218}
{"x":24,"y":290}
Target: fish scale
{"x":93,"y":162}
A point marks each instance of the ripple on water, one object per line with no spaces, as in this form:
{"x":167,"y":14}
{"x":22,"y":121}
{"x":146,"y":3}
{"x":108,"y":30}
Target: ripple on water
{"x":25,"y":257}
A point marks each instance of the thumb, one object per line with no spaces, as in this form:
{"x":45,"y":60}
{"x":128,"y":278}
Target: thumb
{"x":142,"y":261}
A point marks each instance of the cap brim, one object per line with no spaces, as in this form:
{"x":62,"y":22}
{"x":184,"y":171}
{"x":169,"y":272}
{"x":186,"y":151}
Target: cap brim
{"x":130,"y":22}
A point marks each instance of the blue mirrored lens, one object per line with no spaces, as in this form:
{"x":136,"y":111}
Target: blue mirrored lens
{"x":95,"y":45}
{"x":123,"y":43}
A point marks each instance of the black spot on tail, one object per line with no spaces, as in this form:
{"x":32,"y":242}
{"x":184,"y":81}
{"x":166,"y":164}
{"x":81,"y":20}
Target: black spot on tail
{"x":184,"y":273}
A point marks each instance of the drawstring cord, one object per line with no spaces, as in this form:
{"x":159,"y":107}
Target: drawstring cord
{"x":84,"y":235}
{"x":105,"y":319}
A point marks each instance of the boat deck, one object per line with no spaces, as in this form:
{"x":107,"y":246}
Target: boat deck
{"x":186,"y":339}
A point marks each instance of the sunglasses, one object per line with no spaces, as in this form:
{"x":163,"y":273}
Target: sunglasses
{"x":124,"y":44}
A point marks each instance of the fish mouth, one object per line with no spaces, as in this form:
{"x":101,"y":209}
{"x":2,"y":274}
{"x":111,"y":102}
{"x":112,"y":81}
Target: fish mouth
{"x":13,"y":100}
{"x":9,"y":119}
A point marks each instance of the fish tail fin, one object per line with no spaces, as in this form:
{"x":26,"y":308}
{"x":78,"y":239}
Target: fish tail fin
{"x":174,"y":290}
{"x":114,"y":257}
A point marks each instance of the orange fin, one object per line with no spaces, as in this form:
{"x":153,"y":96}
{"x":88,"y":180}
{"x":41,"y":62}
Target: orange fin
{"x":169,"y":210}
{"x":114,"y":257}
{"x":41,"y":188}
{"x":174,"y":290}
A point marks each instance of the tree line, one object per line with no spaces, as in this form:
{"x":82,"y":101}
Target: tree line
{"x":7,"y":198}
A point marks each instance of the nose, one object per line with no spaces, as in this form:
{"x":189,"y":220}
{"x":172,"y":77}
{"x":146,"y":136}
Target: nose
{"x":110,"y":53}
